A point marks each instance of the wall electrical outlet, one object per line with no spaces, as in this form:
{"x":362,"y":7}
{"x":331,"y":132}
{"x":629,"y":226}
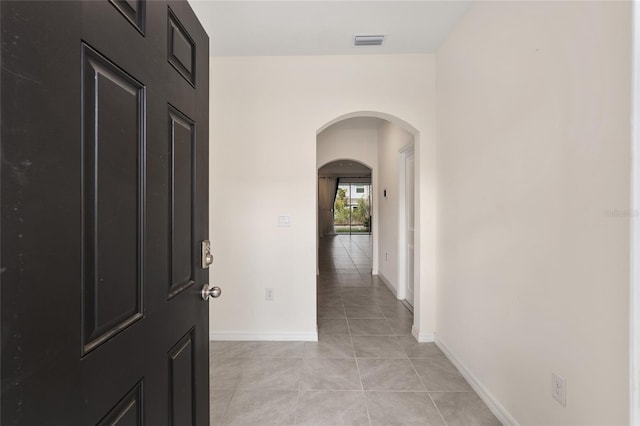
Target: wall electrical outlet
{"x":269,"y":294}
{"x":559,"y":388}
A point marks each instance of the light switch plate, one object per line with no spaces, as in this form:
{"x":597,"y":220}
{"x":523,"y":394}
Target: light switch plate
{"x":284,"y":220}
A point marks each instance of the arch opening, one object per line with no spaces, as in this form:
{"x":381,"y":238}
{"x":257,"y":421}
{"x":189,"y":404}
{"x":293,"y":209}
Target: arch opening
{"x":344,"y":198}
{"x":370,"y":114}
{"x":383,"y":143}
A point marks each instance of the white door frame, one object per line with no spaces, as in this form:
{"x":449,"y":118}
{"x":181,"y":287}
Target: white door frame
{"x":402,"y":220}
{"x":634,"y":317}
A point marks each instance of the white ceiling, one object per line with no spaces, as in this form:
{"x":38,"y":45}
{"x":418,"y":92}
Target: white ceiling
{"x":301,"y":27}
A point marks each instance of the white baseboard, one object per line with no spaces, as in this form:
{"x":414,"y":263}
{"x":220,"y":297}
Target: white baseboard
{"x":268,"y":337}
{"x":492,"y":402}
{"x":421,"y":337}
{"x":387,"y":283}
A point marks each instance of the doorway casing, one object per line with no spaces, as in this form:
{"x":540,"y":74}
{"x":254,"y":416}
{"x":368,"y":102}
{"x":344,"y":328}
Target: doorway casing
{"x":634,"y":290}
{"x":403,"y":260}
{"x":424,"y":305}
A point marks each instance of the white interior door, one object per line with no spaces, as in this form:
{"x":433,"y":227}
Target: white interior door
{"x":410,"y":222}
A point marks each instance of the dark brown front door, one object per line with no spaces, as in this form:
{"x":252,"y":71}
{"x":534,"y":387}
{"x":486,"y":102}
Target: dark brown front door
{"x":104,"y":180}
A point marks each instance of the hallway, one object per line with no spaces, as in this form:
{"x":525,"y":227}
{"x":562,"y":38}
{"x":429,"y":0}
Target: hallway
{"x":366,"y":368}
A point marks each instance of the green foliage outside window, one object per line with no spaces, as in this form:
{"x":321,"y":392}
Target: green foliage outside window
{"x":341,"y":208}
{"x":360,"y":213}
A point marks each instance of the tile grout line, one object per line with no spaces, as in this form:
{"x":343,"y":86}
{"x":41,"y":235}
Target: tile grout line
{"x":427,"y":390}
{"x":366,"y":407}
{"x":226,"y":407}
{"x":364,"y":397}
{"x":295,"y":413}
{"x":437,"y":408}
{"x":341,"y":287}
{"x":345,"y":281}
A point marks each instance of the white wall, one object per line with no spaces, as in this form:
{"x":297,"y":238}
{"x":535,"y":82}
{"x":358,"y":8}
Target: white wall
{"x":533,"y":170}
{"x":353,"y":138}
{"x":265,"y":115}
{"x":391,"y":140}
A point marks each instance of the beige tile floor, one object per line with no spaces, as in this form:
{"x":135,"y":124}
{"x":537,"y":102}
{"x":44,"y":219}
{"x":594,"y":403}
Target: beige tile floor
{"x":365,"y":369}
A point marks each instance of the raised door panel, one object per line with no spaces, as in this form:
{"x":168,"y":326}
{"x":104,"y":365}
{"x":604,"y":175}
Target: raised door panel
{"x":182,"y":382}
{"x":181,"y":49}
{"x":182,"y":179}
{"x":113,"y":193}
{"x":133,"y":11}
{"x":128,"y":411}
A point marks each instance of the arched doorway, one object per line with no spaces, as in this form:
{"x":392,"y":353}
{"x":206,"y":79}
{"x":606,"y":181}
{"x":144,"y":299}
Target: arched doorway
{"x":344,"y":198}
{"x":383,"y":143}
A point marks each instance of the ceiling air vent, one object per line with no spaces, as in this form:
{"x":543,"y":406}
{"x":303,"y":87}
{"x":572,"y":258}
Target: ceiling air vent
{"x":368,"y":40}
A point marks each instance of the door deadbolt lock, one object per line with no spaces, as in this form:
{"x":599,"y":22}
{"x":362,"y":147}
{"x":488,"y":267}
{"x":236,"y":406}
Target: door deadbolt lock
{"x":207,"y":257}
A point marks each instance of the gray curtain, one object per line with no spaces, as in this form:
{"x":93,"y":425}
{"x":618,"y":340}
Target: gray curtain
{"x":327,"y":189}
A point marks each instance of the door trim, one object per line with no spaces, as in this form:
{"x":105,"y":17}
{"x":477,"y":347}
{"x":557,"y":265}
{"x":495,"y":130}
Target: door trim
{"x":404,"y":153}
{"x":634,"y":290}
